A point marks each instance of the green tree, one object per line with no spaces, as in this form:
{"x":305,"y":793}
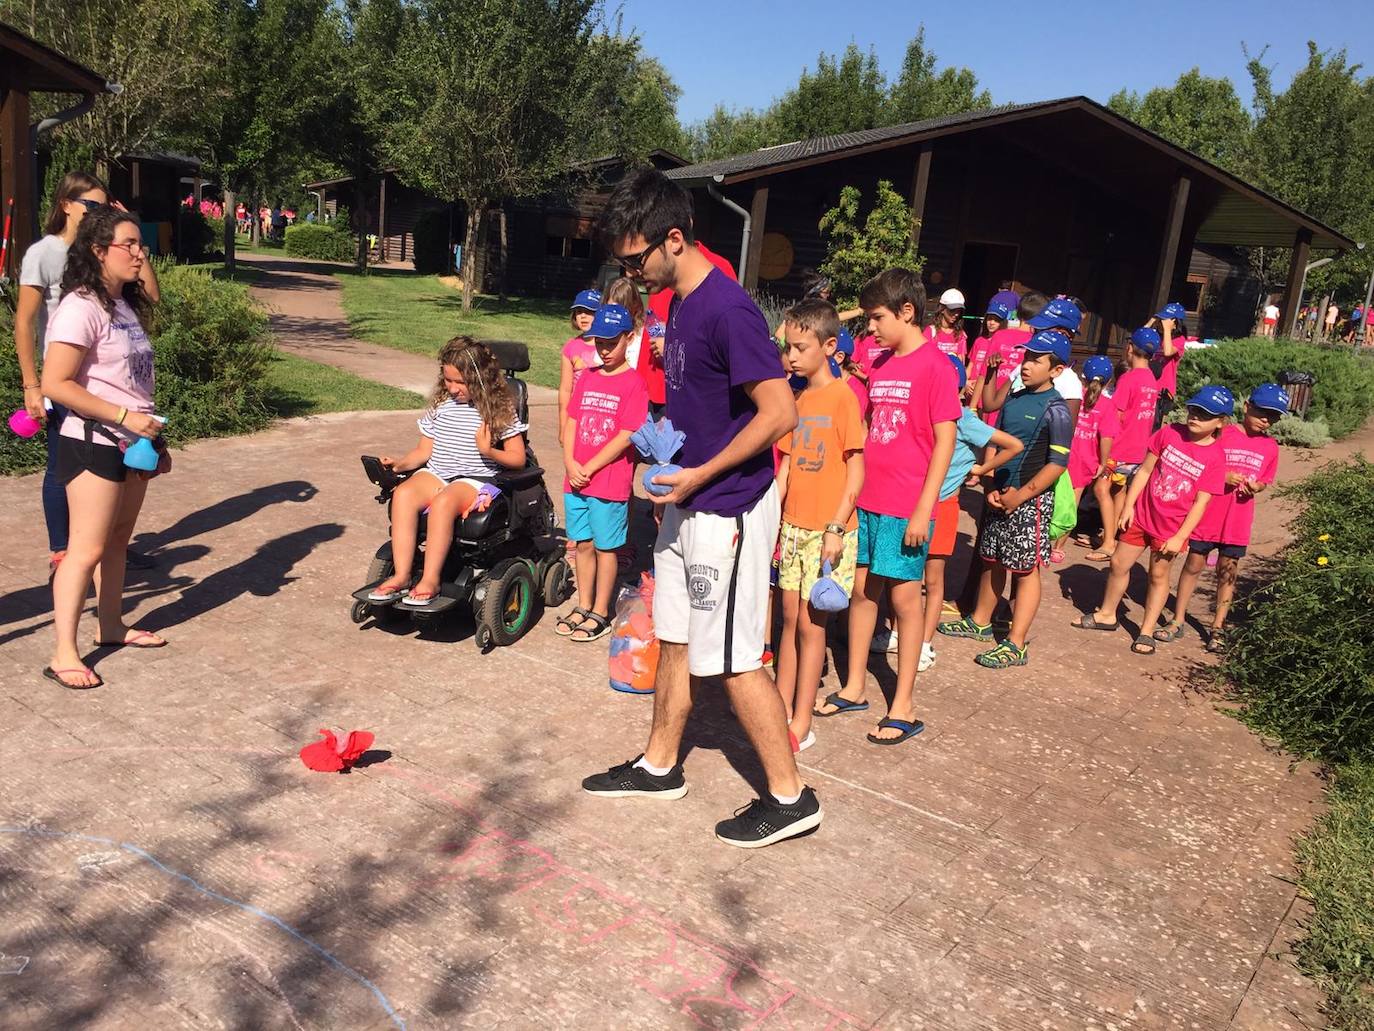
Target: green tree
{"x":839,"y":96}
{"x":727,"y":131}
{"x":643,"y":117}
{"x":920,"y":92}
{"x":858,"y":249}
{"x":1197,"y":113}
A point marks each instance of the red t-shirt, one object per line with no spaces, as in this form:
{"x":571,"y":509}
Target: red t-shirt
{"x":603,"y":405}
{"x":1184,"y":470}
{"x":1230,"y":518}
{"x":1136,"y":391}
{"x":650,"y":368}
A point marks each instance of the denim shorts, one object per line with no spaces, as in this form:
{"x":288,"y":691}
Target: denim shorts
{"x":605,"y":523}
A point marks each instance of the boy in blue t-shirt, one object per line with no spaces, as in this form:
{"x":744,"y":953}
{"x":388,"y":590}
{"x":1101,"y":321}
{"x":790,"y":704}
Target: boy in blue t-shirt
{"x":972,"y":435}
{"x":1016,"y":533}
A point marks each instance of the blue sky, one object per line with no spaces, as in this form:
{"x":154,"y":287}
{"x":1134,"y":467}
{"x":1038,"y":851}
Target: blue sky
{"x":743,"y":53}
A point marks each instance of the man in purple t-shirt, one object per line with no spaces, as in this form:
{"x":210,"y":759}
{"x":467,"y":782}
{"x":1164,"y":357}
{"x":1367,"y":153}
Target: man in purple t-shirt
{"x":726,"y":392}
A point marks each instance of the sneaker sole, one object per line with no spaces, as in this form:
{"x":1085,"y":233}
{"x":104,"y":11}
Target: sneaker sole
{"x":667,"y":794}
{"x":790,"y":831}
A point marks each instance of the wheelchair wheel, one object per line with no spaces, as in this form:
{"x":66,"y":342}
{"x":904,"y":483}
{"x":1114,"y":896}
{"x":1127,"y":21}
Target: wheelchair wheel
{"x":556,"y":582}
{"x":507,"y":609}
{"x":359,"y":611}
{"x":379,"y":569}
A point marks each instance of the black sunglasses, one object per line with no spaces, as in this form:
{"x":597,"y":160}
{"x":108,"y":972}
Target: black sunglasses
{"x":635,"y":262}
{"x":88,"y":204}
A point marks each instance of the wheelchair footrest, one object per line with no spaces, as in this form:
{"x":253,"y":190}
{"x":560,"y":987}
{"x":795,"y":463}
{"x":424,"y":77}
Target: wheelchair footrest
{"x":440,"y":604}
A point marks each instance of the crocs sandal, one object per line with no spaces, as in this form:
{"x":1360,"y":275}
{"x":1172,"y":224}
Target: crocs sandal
{"x":594,"y":627}
{"x":841,"y":704}
{"x":140,"y":639}
{"x":909,"y":728}
{"x":567,"y":624}
{"x":1142,"y":645}
{"x":1004,"y":656}
{"x":55,"y":675}
{"x":1057,"y":555}
{"x":1087,"y":622}
{"x":1168,"y":634}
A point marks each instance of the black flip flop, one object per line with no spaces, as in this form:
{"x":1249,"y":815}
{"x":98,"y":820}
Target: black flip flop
{"x":909,"y":729}
{"x":841,"y":705}
{"x":1087,"y":622}
{"x":56,"y":677}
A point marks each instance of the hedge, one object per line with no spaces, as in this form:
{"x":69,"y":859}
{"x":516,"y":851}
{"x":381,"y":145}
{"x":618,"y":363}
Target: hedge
{"x":324,"y":242}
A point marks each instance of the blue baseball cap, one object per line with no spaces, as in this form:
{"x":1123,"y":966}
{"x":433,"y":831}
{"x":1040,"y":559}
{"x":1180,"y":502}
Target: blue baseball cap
{"x":1060,"y":313}
{"x":844,"y":343}
{"x":1000,"y":310}
{"x":1270,"y":396}
{"x":1216,"y":400}
{"x":1146,"y":340}
{"x":587,"y":300}
{"x":610,"y":321}
{"x":1047,"y":341}
{"x":959,"y":370}
{"x":1172,"y":310}
{"x":1099,"y":366}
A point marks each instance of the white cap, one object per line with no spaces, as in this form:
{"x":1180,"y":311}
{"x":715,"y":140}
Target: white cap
{"x":952,"y":299}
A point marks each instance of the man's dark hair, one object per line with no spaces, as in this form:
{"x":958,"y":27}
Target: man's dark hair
{"x":645,"y":203}
{"x":1032,"y":304}
{"x":814,"y":316}
{"x":892,"y":289}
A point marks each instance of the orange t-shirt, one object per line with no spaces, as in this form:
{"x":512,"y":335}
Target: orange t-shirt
{"x":828,"y":425}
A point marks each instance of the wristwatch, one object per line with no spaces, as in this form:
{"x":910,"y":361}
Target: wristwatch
{"x":835,"y":528}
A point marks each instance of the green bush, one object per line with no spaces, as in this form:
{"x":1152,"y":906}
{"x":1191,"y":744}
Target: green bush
{"x":1295,"y":432}
{"x":1299,"y":659}
{"x":17,"y":455}
{"x":432,"y":254}
{"x":1343,"y":396}
{"x":326,"y":243}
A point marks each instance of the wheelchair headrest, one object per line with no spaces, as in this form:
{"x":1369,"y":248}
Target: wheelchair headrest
{"x":511,"y":355}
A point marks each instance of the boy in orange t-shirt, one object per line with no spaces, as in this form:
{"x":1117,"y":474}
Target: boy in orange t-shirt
{"x":819,"y":478}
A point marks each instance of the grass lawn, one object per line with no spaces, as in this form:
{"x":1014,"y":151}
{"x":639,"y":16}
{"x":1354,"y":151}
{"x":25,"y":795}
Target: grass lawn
{"x":418,"y":313}
{"x":297,"y":386}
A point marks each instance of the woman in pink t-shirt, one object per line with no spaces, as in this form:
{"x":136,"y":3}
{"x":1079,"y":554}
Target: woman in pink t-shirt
{"x":99,"y":366}
{"x":947,"y":331}
{"x":1184,"y":468}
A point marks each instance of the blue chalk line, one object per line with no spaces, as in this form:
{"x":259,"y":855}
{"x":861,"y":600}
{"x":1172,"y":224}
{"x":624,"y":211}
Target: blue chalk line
{"x":147,"y":857}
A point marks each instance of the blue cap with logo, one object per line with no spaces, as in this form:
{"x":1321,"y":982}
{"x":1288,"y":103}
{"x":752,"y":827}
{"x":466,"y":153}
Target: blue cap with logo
{"x":586,"y":300}
{"x":1172,"y":310}
{"x":959,"y":370}
{"x":844,"y":343}
{"x":1047,"y":341}
{"x":1060,"y":313}
{"x":610,"y":321}
{"x":1146,"y":341}
{"x":1000,"y":310}
{"x":1213,"y":399}
{"x":1270,"y":396}
{"x":1099,"y":366}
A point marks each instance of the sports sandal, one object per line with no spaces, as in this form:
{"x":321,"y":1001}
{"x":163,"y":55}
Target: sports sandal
{"x":1087,"y":621}
{"x":139,"y":639}
{"x":1004,"y":656}
{"x":567,"y":624}
{"x":909,"y":729}
{"x":594,"y":627}
{"x":1170,"y":633}
{"x":55,"y":675}
{"x":1142,"y":645}
{"x":1216,"y":642}
{"x":841,"y":704}
{"x":966,"y":627}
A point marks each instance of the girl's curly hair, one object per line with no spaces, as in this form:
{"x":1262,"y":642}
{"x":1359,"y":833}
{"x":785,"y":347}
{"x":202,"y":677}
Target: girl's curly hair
{"x":485,"y":381}
{"x":84,"y":269}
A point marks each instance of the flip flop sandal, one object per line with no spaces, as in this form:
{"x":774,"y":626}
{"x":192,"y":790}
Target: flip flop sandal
{"x":841,"y":705}
{"x":1168,"y":634}
{"x":1142,"y":645}
{"x":567,"y":624}
{"x":1087,"y":622}
{"x":418,"y":600}
{"x":595,"y":627}
{"x":140,"y":636}
{"x":385,"y":596}
{"x":909,"y":728}
{"x":1098,"y":556}
{"x":55,"y":675}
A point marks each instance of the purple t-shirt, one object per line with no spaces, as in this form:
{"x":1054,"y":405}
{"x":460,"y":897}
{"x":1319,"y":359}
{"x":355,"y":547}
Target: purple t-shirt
{"x":717,"y":341}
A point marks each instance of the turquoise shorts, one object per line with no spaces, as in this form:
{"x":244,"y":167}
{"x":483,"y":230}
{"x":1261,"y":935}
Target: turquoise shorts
{"x":605,"y":523}
{"x":882,"y":551}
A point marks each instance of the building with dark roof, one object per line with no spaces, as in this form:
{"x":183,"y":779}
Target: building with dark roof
{"x":1061,"y":196}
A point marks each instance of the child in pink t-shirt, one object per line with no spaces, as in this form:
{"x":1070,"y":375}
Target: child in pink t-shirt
{"x":1184,"y":469}
{"x":1134,"y":397}
{"x":1089,"y":454}
{"x":1252,"y":462}
{"x":996,"y":319}
{"x":579,"y":354}
{"x":608,"y":404}
{"x":1173,"y":334}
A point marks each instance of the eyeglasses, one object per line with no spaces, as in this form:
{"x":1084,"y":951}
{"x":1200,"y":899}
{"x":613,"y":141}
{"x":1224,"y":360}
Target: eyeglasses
{"x":131,"y":246}
{"x":635,"y":262}
{"x":88,"y":204}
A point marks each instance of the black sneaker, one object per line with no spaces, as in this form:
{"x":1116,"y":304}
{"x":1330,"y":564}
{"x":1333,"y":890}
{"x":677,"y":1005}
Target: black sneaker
{"x":628,"y":780}
{"x":765,"y":821}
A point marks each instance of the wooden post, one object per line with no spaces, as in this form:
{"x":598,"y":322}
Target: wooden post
{"x":135,"y":185}
{"x":1292,"y":291}
{"x":16,"y":175}
{"x":758,"y":214}
{"x":230,"y":227}
{"x":1168,"y":251}
{"x":381,"y":220}
{"x":919,"y":184}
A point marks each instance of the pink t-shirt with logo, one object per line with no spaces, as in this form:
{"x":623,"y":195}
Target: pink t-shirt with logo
{"x":978,"y":357}
{"x":948,"y":342}
{"x":1010,"y":343}
{"x":860,"y":392}
{"x":907,"y":395}
{"x":867,"y":350}
{"x":603,"y":405}
{"x":1094,"y":424}
{"x":1166,"y":369}
{"x":1136,"y":392}
{"x":1184,"y":470}
{"x":581,"y":353}
{"x":1230,"y":518}
{"x":118,"y":365}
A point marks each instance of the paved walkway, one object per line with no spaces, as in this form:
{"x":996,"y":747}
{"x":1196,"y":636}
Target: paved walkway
{"x":1086,"y":842}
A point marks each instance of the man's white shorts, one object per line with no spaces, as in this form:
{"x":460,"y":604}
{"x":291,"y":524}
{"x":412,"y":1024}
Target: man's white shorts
{"x":711,"y":585}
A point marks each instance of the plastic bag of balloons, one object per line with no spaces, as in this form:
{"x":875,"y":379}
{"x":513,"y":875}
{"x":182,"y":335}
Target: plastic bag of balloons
{"x":634,"y":646}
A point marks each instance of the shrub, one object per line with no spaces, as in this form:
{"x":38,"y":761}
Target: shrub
{"x":1295,"y":432}
{"x":856,"y":253}
{"x":17,"y":455}
{"x":432,"y":254}
{"x":325,"y":243}
{"x":1300,"y":660}
{"x":1343,"y":396}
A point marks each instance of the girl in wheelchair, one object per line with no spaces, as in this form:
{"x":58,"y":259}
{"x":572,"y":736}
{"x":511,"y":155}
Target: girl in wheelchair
{"x":469,"y":430}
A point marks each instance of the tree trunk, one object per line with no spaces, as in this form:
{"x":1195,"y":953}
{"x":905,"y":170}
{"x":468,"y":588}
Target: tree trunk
{"x":505,"y":253}
{"x":255,"y":230}
{"x":358,"y":216}
{"x":471,"y":245}
{"x":230,"y":228}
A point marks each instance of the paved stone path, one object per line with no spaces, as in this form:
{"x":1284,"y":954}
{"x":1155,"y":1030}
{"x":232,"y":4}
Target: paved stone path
{"x":1083,"y":843}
